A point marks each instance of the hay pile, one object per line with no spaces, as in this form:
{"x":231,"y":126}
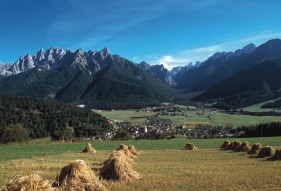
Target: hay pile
{"x":118,"y":167}
{"x":77,"y":176}
{"x":235,"y":145}
{"x":89,"y":149}
{"x":244,"y":147}
{"x":133,"y":150}
{"x":190,"y":146}
{"x":122,"y":147}
{"x":126,"y":151}
{"x":255,"y":149}
{"x":276,"y":156}
{"x":225,"y":144}
{"x":31,"y":182}
{"x":229,"y":146}
{"x":266,"y":151}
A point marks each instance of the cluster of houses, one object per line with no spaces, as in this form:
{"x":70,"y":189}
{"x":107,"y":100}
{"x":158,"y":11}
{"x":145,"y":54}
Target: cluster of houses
{"x":202,"y":131}
{"x":167,"y":109}
{"x":154,"y":127}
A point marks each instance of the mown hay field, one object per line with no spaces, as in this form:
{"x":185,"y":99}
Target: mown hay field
{"x":164,"y":165}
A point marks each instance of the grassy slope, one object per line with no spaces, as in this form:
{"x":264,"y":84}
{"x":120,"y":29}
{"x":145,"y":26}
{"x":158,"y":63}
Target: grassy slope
{"x":163,"y":163}
{"x":257,"y":107}
{"x":125,"y":115}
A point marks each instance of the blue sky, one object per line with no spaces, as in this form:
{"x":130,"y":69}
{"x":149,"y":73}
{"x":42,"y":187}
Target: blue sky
{"x":171,"y":32}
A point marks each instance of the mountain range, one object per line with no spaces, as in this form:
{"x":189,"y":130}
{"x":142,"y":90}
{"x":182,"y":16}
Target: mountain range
{"x":102,"y":80}
{"x":95,"y":78}
{"x":200,"y":78}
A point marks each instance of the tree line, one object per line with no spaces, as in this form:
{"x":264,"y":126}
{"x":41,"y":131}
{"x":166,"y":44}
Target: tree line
{"x":262,"y":130}
{"x":42,"y":118}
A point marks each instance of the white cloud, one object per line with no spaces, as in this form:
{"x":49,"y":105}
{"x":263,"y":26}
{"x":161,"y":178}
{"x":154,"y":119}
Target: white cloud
{"x":169,"y":61}
{"x":184,"y":57}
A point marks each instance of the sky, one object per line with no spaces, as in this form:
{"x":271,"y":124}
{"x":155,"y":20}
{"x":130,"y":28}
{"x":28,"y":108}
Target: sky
{"x":168,"y":32}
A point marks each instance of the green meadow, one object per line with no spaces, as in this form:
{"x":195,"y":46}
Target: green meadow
{"x":194,"y":116}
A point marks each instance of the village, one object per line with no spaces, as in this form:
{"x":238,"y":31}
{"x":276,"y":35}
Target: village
{"x":156,"y":127}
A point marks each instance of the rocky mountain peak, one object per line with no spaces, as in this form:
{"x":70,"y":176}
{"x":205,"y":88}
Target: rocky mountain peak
{"x":250,"y":46}
{"x":270,"y":45}
{"x":79,"y":51}
{"x":105,"y":52}
{"x":144,"y":65}
{"x":175,"y":70}
{"x":245,"y":50}
{"x":40,"y":54}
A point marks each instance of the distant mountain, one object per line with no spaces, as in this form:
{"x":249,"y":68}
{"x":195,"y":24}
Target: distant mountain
{"x":4,"y":69}
{"x":182,"y":72}
{"x":159,"y":71}
{"x":196,"y":78}
{"x":183,"y":69}
{"x":144,"y":66}
{"x":94,"y":78}
{"x":245,"y":50}
{"x":259,"y":83}
{"x":197,"y":63}
{"x":175,"y":70}
{"x":271,"y":50}
{"x":163,"y":74}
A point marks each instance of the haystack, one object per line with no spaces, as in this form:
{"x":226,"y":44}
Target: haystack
{"x":276,"y":156}
{"x":122,"y":147}
{"x":118,"y":167}
{"x":31,"y":182}
{"x":255,"y":149}
{"x":229,"y":146}
{"x":244,"y":147}
{"x":126,"y":151}
{"x":190,"y":146}
{"x":225,"y":144}
{"x":266,"y":151}
{"x":89,"y":149}
{"x":133,"y":150}
{"x":78,"y":176}
{"x":235,"y":144}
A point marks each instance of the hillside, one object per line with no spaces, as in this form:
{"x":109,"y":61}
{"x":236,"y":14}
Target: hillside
{"x":259,"y":83}
{"x":124,"y":85}
{"x":43,"y":118}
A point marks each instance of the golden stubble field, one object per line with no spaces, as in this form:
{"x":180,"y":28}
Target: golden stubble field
{"x":170,"y":169}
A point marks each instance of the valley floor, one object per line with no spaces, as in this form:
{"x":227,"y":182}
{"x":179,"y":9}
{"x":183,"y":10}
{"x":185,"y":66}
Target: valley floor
{"x":193,"y":118}
{"x":163,"y":165}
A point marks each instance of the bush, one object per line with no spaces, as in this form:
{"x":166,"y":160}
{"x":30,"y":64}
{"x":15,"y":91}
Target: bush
{"x":14,"y":134}
{"x":62,"y":135}
{"x":122,"y":135}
